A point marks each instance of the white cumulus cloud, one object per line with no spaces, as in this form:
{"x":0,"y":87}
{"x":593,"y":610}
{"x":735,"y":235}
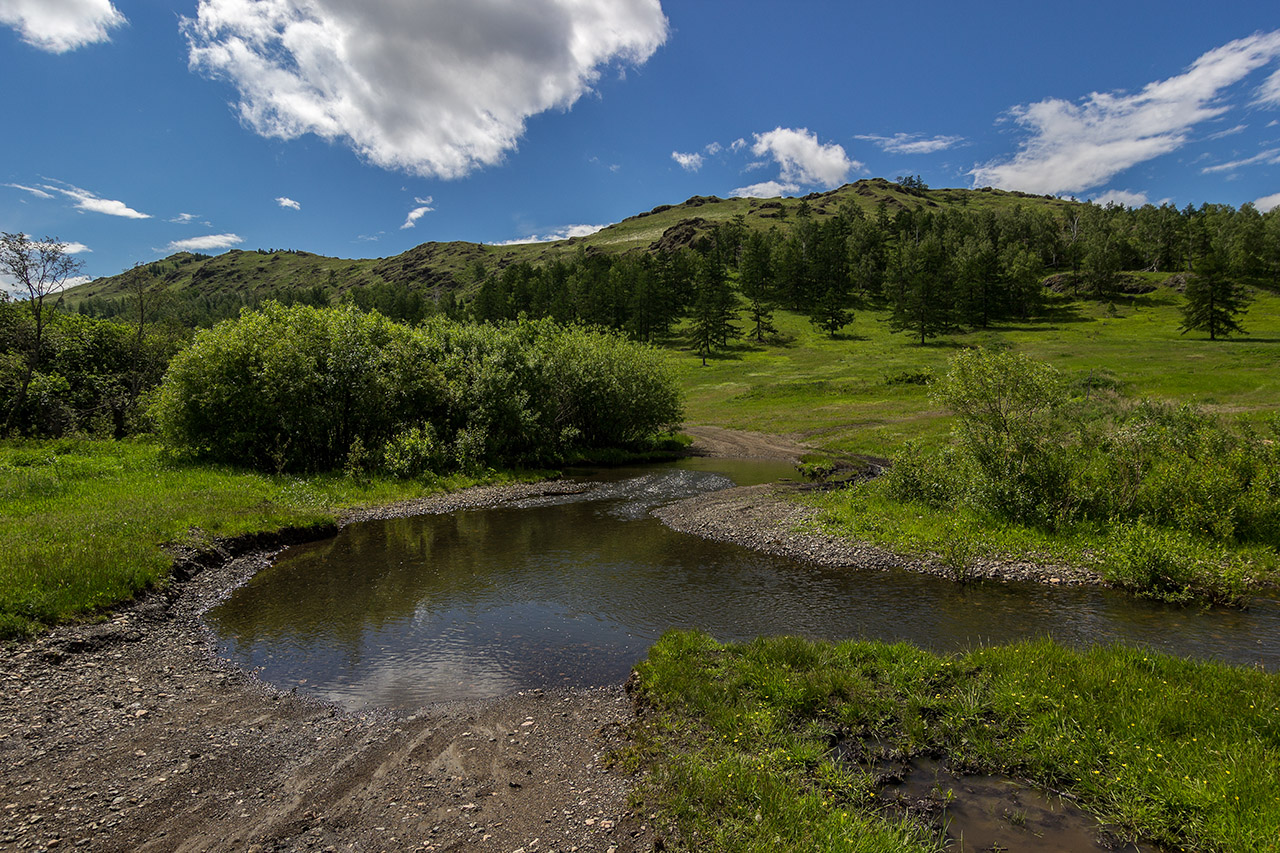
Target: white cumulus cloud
{"x":74,"y":248}
{"x":559,"y":234}
{"x":803,"y":159}
{"x":1075,"y":146}
{"x":688,"y":162}
{"x":285,"y":201}
{"x":206,"y":243}
{"x":1267,"y":202}
{"x":58,"y":26}
{"x":1124,"y":198}
{"x":766,"y":189}
{"x":435,"y":89}
{"x":424,"y":207}
{"x":912,"y":143}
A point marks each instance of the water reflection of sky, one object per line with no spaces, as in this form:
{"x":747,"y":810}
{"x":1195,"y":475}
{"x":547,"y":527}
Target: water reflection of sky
{"x":572,"y":590}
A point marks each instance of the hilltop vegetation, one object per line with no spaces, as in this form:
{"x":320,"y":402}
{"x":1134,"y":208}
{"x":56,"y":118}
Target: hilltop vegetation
{"x":203,"y":286}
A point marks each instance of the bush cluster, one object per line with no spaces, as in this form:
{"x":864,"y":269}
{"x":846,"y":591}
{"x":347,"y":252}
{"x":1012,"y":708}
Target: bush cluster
{"x":1174,"y":483}
{"x":301,"y":389}
{"x":89,"y":376}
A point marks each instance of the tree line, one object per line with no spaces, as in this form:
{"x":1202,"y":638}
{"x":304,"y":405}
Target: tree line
{"x":936,"y":271}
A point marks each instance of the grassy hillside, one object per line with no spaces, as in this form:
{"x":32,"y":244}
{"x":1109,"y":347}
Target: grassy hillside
{"x":441,"y":266}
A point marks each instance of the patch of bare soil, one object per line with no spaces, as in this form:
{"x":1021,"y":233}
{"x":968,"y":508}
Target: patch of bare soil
{"x":739,"y":444}
{"x":132,"y":735}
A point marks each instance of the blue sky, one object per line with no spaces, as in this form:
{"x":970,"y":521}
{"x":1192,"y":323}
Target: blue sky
{"x":360,"y":128}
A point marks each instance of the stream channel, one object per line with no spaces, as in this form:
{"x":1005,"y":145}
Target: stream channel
{"x":571,"y":590}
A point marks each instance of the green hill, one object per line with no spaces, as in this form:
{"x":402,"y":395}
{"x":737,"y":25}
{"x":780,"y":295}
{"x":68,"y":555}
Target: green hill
{"x":440,"y":267}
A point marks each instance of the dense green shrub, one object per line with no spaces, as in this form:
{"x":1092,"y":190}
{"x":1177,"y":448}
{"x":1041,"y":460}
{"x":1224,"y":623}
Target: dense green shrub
{"x":303,"y":388}
{"x":90,"y":376}
{"x":292,"y":388}
{"x":1172,"y":565}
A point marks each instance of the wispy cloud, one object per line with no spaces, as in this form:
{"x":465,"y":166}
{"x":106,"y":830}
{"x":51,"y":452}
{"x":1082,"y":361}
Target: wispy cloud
{"x":1231,"y":131}
{"x":766,"y":189}
{"x":285,"y":201}
{"x":912,"y":143}
{"x":209,"y":242}
{"x":35,"y":191}
{"x":88,"y":201}
{"x":1076,"y":146}
{"x":1270,"y":156}
{"x":60,"y":26}
{"x":424,"y":207}
{"x":1269,"y":92}
{"x":560,"y":234}
{"x":803,"y":159}
{"x":75,"y":248}
{"x":688,"y":162}
{"x":434,"y":89}
{"x":185,"y":218}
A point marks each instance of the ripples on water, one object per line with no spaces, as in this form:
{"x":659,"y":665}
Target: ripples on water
{"x":572,"y":590}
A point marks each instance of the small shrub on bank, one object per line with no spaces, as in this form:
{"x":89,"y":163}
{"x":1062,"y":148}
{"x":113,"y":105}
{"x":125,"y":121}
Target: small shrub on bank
{"x":1178,"y":487}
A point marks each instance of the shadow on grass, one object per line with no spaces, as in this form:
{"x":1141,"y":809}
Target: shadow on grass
{"x":1242,"y":339}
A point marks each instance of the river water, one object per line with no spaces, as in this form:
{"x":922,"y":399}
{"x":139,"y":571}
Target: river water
{"x":572,"y":590}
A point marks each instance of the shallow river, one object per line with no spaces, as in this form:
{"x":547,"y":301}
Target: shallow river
{"x":572,"y":590}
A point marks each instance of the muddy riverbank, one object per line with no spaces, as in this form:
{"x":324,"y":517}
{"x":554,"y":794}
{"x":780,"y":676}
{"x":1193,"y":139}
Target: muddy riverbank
{"x":133,"y":735}
{"x":767,"y":518}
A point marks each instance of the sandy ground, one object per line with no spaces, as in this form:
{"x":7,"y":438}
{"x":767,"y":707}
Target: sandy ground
{"x":133,"y":735}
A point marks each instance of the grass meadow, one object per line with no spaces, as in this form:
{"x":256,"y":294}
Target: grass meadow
{"x":863,"y":391}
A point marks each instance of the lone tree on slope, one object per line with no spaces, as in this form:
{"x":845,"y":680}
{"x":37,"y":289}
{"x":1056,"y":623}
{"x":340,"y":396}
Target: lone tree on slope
{"x":1213,"y":300}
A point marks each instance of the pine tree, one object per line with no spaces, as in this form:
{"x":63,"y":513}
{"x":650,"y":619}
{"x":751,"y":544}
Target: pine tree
{"x":713,"y":308}
{"x":1213,"y":300}
{"x":923,"y":298}
{"x":756,"y":282}
{"x":831,"y":312}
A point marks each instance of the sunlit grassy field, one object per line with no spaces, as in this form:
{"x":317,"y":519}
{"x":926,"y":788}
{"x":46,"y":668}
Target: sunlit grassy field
{"x":859,"y":393}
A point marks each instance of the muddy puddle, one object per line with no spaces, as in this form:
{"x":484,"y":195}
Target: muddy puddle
{"x":985,"y":814}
